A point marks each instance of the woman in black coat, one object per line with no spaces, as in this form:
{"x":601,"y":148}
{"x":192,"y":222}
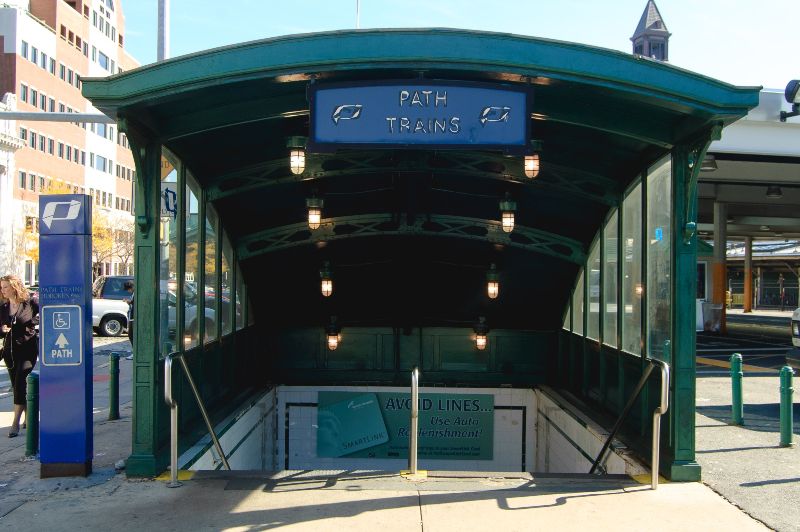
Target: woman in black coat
{"x":19,"y":315}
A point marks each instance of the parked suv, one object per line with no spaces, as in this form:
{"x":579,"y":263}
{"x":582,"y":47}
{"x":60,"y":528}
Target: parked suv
{"x":109,"y":310}
{"x":793,"y":358}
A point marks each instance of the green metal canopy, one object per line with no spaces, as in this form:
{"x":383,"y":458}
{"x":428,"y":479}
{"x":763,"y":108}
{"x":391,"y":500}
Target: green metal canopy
{"x":411,"y":232}
{"x":600,"y":115}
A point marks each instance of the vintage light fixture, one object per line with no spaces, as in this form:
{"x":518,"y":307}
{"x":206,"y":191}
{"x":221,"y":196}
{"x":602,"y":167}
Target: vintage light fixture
{"x":333,"y":334}
{"x":326,"y":284}
{"x":507,"y":209}
{"x":481,"y":333}
{"x":314,"y":205}
{"x":297,"y":154}
{"x":532,"y":161}
{"x":492,"y":282}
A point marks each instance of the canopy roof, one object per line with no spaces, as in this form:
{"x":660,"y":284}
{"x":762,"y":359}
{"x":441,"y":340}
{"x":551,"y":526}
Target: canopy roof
{"x":415,"y":229}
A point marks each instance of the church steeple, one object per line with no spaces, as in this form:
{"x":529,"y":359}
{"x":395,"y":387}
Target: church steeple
{"x":651,"y":38}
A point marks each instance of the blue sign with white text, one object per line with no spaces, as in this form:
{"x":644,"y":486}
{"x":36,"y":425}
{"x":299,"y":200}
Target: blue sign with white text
{"x":61,"y":335}
{"x":65,"y":343}
{"x":433,"y":114}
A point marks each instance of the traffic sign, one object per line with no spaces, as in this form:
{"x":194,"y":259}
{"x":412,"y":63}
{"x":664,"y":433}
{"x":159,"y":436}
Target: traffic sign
{"x":62,"y":337}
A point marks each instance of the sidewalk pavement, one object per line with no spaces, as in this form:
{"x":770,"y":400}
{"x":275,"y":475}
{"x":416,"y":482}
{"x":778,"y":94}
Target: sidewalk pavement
{"x":107,"y":500}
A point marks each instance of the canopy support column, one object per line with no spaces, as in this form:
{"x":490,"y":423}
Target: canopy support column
{"x":149,"y":409}
{"x":680,"y":458}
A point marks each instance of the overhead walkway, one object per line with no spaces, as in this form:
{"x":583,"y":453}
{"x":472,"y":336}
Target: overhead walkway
{"x":595,"y":274}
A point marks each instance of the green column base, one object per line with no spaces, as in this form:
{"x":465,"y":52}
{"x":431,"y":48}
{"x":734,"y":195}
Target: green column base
{"x":684,"y":471}
{"x":143,"y":465}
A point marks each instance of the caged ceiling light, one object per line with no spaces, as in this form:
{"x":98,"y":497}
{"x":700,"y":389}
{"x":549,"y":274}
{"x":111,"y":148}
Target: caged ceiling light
{"x":532,"y":160}
{"x":481,"y":333}
{"x":326,"y":279}
{"x":297,"y":154}
{"x":333,"y":334}
{"x":492,"y":282}
{"x":314,"y":205}
{"x":507,"y":209}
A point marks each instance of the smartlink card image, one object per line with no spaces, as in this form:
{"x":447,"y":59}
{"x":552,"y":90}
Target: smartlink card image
{"x":350,"y":425}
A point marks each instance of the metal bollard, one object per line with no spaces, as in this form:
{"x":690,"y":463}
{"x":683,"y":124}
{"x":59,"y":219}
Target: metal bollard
{"x":737,"y":407}
{"x":113,"y":387}
{"x":32,"y":415}
{"x":787,"y":422}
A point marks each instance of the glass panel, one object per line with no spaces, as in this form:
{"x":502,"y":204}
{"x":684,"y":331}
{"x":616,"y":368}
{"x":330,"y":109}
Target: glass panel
{"x":593,"y":305}
{"x":610,"y":281}
{"x":567,"y":317}
{"x":577,"y":306}
{"x":210,"y":266}
{"x":632,"y":272}
{"x":168,"y":256}
{"x":659,"y":207}
{"x":239,"y":298}
{"x":225,"y":307}
{"x":192,"y":265}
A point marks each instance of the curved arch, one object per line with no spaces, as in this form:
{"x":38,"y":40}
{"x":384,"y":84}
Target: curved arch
{"x":331,"y":229}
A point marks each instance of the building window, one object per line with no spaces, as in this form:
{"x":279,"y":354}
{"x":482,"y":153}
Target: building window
{"x":43,"y":60}
{"x":42,"y":143}
{"x":32,"y":143}
{"x":61,"y":107}
{"x":69,"y":152}
{"x":52,"y":105}
{"x":103,"y":60}
{"x":52,"y":66}
{"x":34,"y":55}
{"x":23,"y":177}
{"x":51,"y":146}
{"x":23,"y":133}
{"x":23,"y":92}
{"x":43,"y":103}
{"x":32,"y":182}
{"x":61,"y":149}
{"x":34,"y":98}
{"x":24,"y":50}
{"x":69,"y":76}
{"x":32,"y":224}
{"x":62,"y":71}
{"x":41,"y":184}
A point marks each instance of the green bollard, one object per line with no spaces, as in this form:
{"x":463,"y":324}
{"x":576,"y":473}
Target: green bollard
{"x":113,"y":387}
{"x":786,"y":407}
{"x":737,"y":407}
{"x":32,"y":415}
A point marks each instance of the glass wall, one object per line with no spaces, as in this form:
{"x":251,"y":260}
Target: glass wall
{"x":577,"y":306}
{"x":659,"y":298}
{"x":168,"y":266}
{"x":567,"y":318}
{"x":655,"y":239}
{"x":610,"y":271}
{"x":632,"y":287}
{"x":239,"y":299}
{"x":593,"y":305}
{"x":212,"y":310}
{"x":227,"y":290}
{"x":193,"y":296}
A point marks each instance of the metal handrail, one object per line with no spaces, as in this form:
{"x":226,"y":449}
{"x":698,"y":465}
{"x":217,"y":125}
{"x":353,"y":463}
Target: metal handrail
{"x":169,"y":399}
{"x":662,"y":409}
{"x":173,"y":424}
{"x":414,"y":425}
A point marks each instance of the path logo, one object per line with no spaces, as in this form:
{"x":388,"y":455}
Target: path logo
{"x":49,"y":213}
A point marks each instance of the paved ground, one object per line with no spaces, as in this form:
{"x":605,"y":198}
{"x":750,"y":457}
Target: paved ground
{"x":743,"y":464}
{"x":746,"y":464}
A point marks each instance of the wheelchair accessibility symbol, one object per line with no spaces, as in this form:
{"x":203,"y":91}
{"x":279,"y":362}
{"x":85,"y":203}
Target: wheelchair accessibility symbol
{"x":61,"y":320}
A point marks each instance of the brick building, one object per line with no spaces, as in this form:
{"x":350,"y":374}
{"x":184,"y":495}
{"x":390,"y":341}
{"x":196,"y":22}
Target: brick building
{"x":48,"y":47}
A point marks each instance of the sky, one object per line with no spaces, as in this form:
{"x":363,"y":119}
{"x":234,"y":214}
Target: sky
{"x":743,"y":42}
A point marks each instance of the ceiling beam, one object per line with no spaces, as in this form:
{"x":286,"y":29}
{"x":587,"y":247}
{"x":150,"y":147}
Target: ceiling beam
{"x":385,"y":224}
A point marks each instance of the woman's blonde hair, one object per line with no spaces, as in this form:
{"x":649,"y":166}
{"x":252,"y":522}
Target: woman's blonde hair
{"x":17,"y":286}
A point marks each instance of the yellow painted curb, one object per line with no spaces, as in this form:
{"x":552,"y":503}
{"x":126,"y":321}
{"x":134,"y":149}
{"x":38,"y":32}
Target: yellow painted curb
{"x":421,"y":474}
{"x":182,"y":475}
{"x":726,"y":364}
{"x":647,"y":479}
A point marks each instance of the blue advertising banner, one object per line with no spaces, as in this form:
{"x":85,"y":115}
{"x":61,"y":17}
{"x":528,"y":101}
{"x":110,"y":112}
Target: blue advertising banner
{"x":376,"y":425}
{"x":65,"y":299}
{"x":430,"y":114}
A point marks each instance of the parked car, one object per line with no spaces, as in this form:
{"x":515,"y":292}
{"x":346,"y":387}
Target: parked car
{"x":109,"y":309}
{"x":793,"y":358}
